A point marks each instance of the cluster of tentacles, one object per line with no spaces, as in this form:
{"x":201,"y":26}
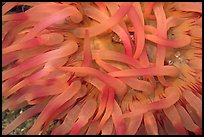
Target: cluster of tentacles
{"x":104,"y":67}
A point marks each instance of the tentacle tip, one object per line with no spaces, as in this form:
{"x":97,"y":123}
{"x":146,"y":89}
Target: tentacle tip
{"x":198,"y":131}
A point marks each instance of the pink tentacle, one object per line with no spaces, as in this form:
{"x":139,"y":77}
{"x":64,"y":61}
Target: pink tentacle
{"x":106,"y":24}
{"x":173,"y":115}
{"x":139,"y":29}
{"x":109,"y":109}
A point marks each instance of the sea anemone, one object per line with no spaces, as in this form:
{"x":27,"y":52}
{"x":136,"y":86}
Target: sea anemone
{"x":103,"y":67}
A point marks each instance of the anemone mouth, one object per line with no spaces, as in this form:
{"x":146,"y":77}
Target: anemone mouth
{"x":102,"y":67}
